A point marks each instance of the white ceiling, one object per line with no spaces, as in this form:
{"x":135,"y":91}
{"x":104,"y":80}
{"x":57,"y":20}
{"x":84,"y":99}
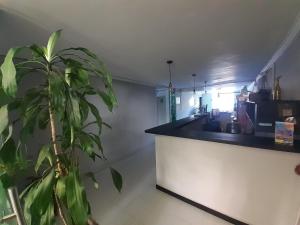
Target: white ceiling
{"x":219,"y":40}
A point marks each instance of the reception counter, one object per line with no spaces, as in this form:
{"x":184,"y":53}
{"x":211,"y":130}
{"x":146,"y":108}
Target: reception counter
{"x":241,"y":179}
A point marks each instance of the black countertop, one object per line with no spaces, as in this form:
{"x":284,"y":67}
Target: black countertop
{"x":184,"y":128}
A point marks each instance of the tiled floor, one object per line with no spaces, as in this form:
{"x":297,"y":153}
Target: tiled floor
{"x":140,"y":203}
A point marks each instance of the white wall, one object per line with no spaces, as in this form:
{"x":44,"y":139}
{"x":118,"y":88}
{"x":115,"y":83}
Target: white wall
{"x":136,"y":112}
{"x":241,"y":182}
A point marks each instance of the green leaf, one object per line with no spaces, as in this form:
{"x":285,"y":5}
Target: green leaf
{"x":72,"y":135}
{"x":61,"y":188}
{"x":25,"y":191}
{"x":57,"y":92}
{"x":117,"y":179}
{"x":4,"y":98}
{"x":83,"y":76}
{"x":3,"y":118}
{"x":48,"y":218}
{"x":86,"y":144}
{"x":107,"y":125}
{"x":89,"y":90}
{"x":112,"y":96}
{"x":95,"y":65}
{"x":30,"y":118}
{"x":74,"y":111}
{"x":32,"y":98}
{"x":38,"y":199}
{"x":7,"y":180}
{"x":96,"y":114}
{"x":8,"y":69}
{"x":84,"y":110}
{"x":43,"y":119}
{"x":76,"y":198}
{"x":68,"y":71}
{"x":44,"y":154}
{"x":51,"y":45}
{"x":91,"y":175}
{"x":71,"y":63}
{"x":105,"y":75}
{"x":37,"y":51}
{"x":107,"y":99}
{"x":97,"y":140}
{"x":8,"y":163}
{"x":68,"y":134}
{"x":4,"y":202}
{"x":16,"y":104}
{"x":83,"y":50}
{"x":6,"y":135}
{"x":8,"y":153}
{"x":75,"y":73}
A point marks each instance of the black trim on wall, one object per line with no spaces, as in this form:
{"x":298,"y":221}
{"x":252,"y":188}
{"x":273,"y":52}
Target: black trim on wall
{"x":202,"y":207}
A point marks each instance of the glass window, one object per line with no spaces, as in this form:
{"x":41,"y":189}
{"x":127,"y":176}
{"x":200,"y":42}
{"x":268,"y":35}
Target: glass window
{"x":223,"y":99}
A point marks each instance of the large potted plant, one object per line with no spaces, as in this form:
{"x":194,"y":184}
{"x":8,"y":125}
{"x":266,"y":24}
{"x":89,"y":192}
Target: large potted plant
{"x":60,"y":103}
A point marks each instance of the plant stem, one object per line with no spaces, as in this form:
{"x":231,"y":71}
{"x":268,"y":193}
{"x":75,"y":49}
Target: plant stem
{"x":53,"y":130}
{"x":60,"y":210}
{"x":56,"y":149}
{"x":91,"y":222}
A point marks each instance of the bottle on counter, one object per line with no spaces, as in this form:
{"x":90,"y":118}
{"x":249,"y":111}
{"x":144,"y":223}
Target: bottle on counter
{"x":277,"y":90}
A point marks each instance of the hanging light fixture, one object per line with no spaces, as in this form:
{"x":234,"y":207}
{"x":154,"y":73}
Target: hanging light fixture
{"x":194,"y":91}
{"x":194,"y":77}
{"x":169,"y":62}
{"x":205,"y":83}
{"x":172,"y":98}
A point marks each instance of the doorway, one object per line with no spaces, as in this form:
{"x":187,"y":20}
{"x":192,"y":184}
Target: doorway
{"x":161,"y":110}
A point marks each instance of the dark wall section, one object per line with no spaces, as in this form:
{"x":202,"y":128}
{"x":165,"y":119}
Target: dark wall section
{"x":288,"y":67}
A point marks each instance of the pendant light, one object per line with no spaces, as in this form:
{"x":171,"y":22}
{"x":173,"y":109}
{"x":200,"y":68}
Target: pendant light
{"x":172,"y":98}
{"x":170,"y":62}
{"x":194,"y":90}
{"x":194,"y":77}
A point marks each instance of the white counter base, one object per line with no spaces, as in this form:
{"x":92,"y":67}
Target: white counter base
{"x":255,"y":186}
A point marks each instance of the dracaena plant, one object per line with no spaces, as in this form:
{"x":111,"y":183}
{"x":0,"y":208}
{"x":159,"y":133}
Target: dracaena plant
{"x":60,"y":103}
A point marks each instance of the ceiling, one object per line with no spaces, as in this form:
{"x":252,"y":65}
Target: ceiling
{"x":220,"y":41}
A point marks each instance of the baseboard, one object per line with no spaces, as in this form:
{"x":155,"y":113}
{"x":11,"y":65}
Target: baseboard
{"x":202,"y":207}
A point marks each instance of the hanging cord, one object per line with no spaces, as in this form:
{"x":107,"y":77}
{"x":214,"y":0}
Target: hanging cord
{"x":194,"y":76}
{"x":170,"y":73}
{"x":169,"y":62}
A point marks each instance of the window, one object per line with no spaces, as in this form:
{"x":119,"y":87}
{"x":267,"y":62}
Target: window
{"x":223,"y":99}
{"x":177,"y":100}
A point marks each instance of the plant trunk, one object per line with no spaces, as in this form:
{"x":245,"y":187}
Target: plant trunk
{"x":60,"y":210}
{"x":91,"y":222}
{"x":56,"y":149}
